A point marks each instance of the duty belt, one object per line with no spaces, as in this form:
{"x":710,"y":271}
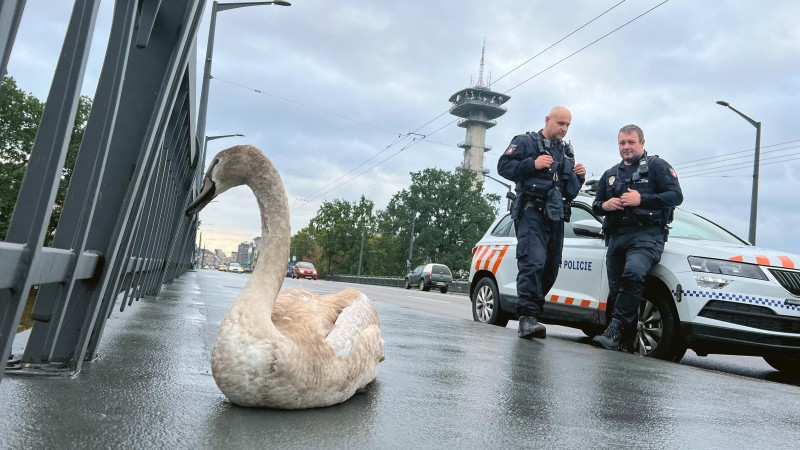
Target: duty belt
{"x":621,"y":230}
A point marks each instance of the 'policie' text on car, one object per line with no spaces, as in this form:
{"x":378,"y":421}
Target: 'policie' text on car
{"x":712,"y":292}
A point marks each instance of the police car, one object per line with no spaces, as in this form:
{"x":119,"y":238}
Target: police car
{"x":712,"y":292}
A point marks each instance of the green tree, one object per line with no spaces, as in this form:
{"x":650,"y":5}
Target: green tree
{"x":304,"y":246}
{"x":20,"y":114}
{"x":337,"y":228}
{"x":451,"y":215}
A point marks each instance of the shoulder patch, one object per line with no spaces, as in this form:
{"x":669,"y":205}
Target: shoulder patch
{"x":511,"y":149}
{"x":673,"y":173}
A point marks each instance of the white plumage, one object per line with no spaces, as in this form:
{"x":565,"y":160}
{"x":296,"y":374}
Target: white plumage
{"x":286,"y":349}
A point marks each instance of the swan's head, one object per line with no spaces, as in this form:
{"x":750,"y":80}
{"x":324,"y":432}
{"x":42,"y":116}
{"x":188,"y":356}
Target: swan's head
{"x":229,"y":168}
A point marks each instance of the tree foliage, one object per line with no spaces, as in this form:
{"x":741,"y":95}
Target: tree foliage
{"x":451,"y":215}
{"x":20,"y":114}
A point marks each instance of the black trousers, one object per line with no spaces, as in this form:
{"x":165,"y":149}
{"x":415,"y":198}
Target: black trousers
{"x":629,"y":258}
{"x":540,"y":242}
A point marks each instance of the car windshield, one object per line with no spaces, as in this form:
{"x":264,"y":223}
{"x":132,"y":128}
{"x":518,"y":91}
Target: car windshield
{"x":305,"y":265}
{"x":692,"y":226}
{"x":440,"y":269}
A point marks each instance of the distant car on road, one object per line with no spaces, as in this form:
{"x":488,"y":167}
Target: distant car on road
{"x":304,"y":269}
{"x":222,"y":268}
{"x":429,"y":276}
{"x":235,"y":267}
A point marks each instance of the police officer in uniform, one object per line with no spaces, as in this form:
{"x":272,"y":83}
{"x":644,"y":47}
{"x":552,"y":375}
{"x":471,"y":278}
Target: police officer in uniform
{"x":547,"y":180}
{"x":637,"y":197}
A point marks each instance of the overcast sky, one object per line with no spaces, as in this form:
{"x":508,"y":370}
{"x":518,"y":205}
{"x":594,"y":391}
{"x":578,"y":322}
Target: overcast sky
{"x":326,"y":88}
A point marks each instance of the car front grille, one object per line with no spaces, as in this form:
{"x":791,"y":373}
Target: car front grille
{"x":752,"y":316}
{"x":789,"y":279}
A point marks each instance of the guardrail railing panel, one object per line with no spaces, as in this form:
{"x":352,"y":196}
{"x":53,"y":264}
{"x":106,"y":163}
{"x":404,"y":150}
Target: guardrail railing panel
{"x":138,"y":150}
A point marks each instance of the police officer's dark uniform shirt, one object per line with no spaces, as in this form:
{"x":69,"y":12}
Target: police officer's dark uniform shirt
{"x":635,"y":235}
{"x":539,"y":212}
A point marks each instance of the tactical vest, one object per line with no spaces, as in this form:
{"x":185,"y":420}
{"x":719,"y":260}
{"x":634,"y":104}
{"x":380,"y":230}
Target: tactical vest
{"x":539,"y":184}
{"x":617,"y":184}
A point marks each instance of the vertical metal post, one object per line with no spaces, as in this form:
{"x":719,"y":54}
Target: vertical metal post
{"x":411,"y":242}
{"x":361,"y":253}
{"x":10,"y":13}
{"x":754,"y":196}
{"x":38,"y":190}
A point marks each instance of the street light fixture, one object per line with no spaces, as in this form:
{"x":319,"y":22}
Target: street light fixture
{"x":754,"y":195}
{"x":205,"y":146}
{"x":203,"y":108}
{"x":509,"y":195}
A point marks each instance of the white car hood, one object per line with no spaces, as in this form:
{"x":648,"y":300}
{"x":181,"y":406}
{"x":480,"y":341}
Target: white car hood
{"x":733,"y":252}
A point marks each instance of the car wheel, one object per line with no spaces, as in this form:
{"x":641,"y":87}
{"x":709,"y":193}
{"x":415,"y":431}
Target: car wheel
{"x":657,"y":331}
{"x":408,"y":285}
{"x":486,"y":304}
{"x":443,"y":290}
{"x":787,"y":366}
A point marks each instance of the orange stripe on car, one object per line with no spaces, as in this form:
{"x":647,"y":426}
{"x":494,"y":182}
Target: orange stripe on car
{"x":736,"y":258}
{"x":586,"y":303}
{"x":499,"y":259}
{"x":479,"y":255}
{"x":787,"y":263}
{"x":491,"y":255}
{"x":762,"y":260}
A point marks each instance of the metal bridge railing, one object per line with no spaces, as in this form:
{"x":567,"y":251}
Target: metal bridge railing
{"x":122,"y":233}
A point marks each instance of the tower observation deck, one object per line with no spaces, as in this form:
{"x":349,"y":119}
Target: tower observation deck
{"x":478,"y":107}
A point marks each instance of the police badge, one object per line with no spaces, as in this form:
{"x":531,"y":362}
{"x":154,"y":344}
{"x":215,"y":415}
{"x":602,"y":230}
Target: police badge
{"x":612,"y":179}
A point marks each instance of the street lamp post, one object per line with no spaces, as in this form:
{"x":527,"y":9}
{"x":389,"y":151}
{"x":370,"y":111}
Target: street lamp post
{"x":205,"y":146}
{"x":509,"y":195}
{"x":216,"y":7}
{"x":754,"y":194}
{"x":411,"y":241}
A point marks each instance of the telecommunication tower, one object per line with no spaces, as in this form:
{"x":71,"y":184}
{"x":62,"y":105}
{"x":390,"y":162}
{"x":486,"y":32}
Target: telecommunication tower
{"x":478,"y":107}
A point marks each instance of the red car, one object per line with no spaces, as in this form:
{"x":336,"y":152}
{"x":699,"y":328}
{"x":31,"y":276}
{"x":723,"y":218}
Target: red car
{"x":304,"y":270}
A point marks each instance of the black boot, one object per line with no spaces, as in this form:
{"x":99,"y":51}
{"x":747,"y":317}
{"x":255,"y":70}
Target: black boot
{"x":529,"y":327}
{"x":627,"y":342}
{"x":611,"y":337}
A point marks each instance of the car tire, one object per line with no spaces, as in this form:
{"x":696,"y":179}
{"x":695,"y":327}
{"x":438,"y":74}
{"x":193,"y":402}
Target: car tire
{"x":657,"y":333}
{"x":443,"y":290}
{"x":423,"y":286}
{"x":486,"y":304}
{"x":787,"y":366}
{"x":408,"y":285}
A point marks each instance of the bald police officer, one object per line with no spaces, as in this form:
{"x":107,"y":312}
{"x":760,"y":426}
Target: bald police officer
{"x":637,"y":197}
{"x":547,"y":180}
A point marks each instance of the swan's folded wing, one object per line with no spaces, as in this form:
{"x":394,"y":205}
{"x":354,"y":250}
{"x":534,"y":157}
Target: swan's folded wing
{"x":350,"y":324}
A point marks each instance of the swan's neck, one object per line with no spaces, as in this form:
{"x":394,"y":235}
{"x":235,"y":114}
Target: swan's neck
{"x":262,"y":288}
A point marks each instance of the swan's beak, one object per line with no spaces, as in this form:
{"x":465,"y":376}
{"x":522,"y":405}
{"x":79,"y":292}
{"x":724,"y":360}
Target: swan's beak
{"x":206,"y":194}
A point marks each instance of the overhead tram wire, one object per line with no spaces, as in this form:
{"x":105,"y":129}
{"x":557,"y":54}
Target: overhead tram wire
{"x":749,"y":152}
{"x":558,"y":41}
{"x":410,"y":144}
{"x":737,"y":166}
{"x":447,"y":111}
{"x":516,"y":86}
{"x":709,"y":175}
{"x":588,"y":45}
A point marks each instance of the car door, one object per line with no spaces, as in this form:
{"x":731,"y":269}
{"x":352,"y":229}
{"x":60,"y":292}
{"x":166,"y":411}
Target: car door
{"x":580,"y":291}
{"x":413,"y":277}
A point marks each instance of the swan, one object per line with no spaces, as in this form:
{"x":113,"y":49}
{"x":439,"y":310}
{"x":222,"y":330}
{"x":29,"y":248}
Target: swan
{"x":287,"y":349}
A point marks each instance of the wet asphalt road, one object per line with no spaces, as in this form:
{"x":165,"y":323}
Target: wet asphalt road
{"x":446,"y":383}
{"x":458,"y":306}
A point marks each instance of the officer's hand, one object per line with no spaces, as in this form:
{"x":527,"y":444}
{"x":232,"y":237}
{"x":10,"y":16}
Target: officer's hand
{"x":631,"y":198}
{"x":580,"y":170}
{"x":543,"y":162}
{"x":612,"y":204}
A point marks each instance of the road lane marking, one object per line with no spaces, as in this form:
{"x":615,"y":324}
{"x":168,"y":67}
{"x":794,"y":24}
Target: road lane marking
{"x":428,"y":299}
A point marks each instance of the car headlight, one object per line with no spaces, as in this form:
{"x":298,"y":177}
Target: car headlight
{"x":726,"y":267}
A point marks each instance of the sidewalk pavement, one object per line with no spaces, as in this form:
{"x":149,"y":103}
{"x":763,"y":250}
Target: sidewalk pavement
{"x":445,"y":383}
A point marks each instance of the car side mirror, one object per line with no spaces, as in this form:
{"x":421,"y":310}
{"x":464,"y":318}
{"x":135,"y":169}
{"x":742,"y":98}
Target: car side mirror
{"x":588,"y":228}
